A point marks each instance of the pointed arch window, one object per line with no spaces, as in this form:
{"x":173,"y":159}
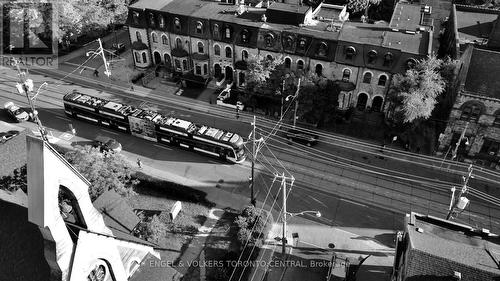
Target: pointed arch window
{"x":367,"y":78}
{"x":229,"y":52}
{"x":244,"y":55}
{"x":217,"y":50}
{"x":164,"y":39}
{"x":382,"y":80}
{"x":154,"y":37}
{"x":300,"y":65}
{"x":288,"y":63}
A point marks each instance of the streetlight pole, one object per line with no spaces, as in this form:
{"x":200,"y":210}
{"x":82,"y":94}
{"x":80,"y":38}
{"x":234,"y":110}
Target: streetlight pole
{"x":251,"y":179}
{"x":296,"y":104}
{"x":26,"y":86}
{"x":462,"y":191}
{"x":283,"y":237}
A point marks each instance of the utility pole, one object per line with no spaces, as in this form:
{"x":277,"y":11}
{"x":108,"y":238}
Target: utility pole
{"x":25,"y":86}
{"x":462,"y":136}
{"x":296,"y":104}
{"x":251,"y":179}
{"x":282,"y":93}
{"x":285,"y":213}
{"x":455,"y":202}
{"x":100,"y":51}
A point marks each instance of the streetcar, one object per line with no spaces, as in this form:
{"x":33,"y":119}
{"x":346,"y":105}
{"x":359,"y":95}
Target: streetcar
{"x":153,"y":126}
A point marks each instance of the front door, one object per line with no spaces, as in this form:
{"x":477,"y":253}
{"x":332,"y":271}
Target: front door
{"x":229,"y":73}
{"x":362,"y":99}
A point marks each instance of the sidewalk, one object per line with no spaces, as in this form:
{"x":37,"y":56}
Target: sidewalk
{"x":309,"y":255}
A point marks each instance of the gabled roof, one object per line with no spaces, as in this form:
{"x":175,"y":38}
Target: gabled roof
{"x":482,"y":77}
{"x":27,"y":252}
{"x":114,"y":206}
{"x":438,"y":245}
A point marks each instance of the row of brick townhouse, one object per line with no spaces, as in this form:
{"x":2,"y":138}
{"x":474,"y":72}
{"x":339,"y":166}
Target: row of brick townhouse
{"x":215,"y":40}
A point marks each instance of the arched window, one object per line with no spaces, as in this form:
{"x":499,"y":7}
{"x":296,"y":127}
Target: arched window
{"x":154,"y":37}
{"x":411,"y":63}
{"x":322,"y":49}
{"x":388,"y":58}
{"x":227,"y":32}
{"x":269,"y":57}
{"x":161,"y":19}
{"x":302,"y":45}
{"x":319,"y":69}
{"x":372,"y":56}
{"x":198,"y":69}
{"x":346,"y":74}
{"x":164,"y":39}
{"x":151,"y":19}
{"x":135,"y":17}
{"x":138,"y":36}
{"x":367,"y":78}
{"x":300,"y":65}
{"x":144,"y":57}
{"x":269,"y":40}
{"x":217,"y":50}
{"x":200,"y":47}
{"x":199,"y":27}
{"x":229,"y":52}
{"x":471,"y":112}
{"x":216,"y":31}
{"x":350,"y":53}
{"x":244,"y":55}
{"x":382,"y":80}
{"x":184,"y":65}
{"x":177,"y":24}
{"x":205,"y":69}
{"x":245,"y":36}
{"x":178,"y":43}
{"x":137,"y":57}
{"x":288,"y":63}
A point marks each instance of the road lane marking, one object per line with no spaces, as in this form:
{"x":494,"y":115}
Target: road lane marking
{"x":114,"y":133}
{"x":164,"y":147}
{"x":61,"y":117}
{"x":352,"y":202}
{"x":318,"y":201}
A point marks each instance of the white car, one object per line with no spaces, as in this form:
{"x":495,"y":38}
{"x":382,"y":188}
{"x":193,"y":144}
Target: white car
{"x":16,"y":112}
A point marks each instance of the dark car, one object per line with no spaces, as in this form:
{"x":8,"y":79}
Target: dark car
{"x":118,"y":48}
{"x":5,"y":136}
{"x":106,"y":144}
{"x":302,"y":137}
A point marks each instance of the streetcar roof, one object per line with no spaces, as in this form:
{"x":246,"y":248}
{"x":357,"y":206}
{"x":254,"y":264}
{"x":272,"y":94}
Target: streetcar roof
{"x":78,"y":97}
{"x":113,"y":105}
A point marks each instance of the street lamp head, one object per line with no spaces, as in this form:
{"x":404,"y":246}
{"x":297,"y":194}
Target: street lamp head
{"x":318,"y":214}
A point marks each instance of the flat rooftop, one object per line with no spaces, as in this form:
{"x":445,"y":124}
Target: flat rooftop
{"x":474,"y":27}
{"x":454,"y":242}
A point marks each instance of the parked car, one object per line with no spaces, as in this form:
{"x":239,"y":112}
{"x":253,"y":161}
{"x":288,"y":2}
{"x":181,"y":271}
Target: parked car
{"x":118,"y":48}
{"x":302,"y":137}
{"x":229,"y":98}
{"x":5,"y":136}
{"x":106,"y":144}
{"x":16,"y":112}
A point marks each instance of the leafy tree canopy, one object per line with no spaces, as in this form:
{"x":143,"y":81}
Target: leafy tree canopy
{"x":105,"y":171}
{"x":356,"y":6}
{"x":253,"y":224}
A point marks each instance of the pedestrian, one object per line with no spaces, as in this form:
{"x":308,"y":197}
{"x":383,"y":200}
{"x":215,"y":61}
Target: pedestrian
{"x":139,"y":163}
{"x":72,"y":129}
{"x":96,"y":73}
{"x":237,"y":113}
{"x":407,"y":147}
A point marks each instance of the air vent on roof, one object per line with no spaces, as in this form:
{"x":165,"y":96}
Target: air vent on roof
{"x":420,"y":230}
{"x":457,"y":275}
{"x":410,"y":32}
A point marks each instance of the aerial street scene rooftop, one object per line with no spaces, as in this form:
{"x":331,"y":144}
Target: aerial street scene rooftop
{"x":250,"y":140}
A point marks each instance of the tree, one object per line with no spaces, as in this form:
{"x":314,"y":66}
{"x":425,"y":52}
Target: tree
{"x":16,"y":180}
{"x":413,"y":95}
{"x":357,"y":6}
{"x":318,"y":99}
{"x":105,"y":171}
{"x":264,"y":74}
{"x":253,"y":224}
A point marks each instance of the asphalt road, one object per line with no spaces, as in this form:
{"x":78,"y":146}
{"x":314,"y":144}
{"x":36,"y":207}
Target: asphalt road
{"x":325,"y":180}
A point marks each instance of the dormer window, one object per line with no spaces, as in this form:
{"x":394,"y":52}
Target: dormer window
{"x":302,"y":44}
{"x":227,"y":33}
{"x":269,"y":40}
{"x":151,"y":19}
{"x":245,"y":36}
{"x":388,"y":58}
{"x":322,"y":49}
{"x":135,"y":17}
{"x":350,"y":53}
{"x":177,"y":24}
{"x":411,"y":63}
{"x":199,"y":27}
{"x":372,"y":56}
{"x":161,"y":20}
{"x":216,"y":31}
